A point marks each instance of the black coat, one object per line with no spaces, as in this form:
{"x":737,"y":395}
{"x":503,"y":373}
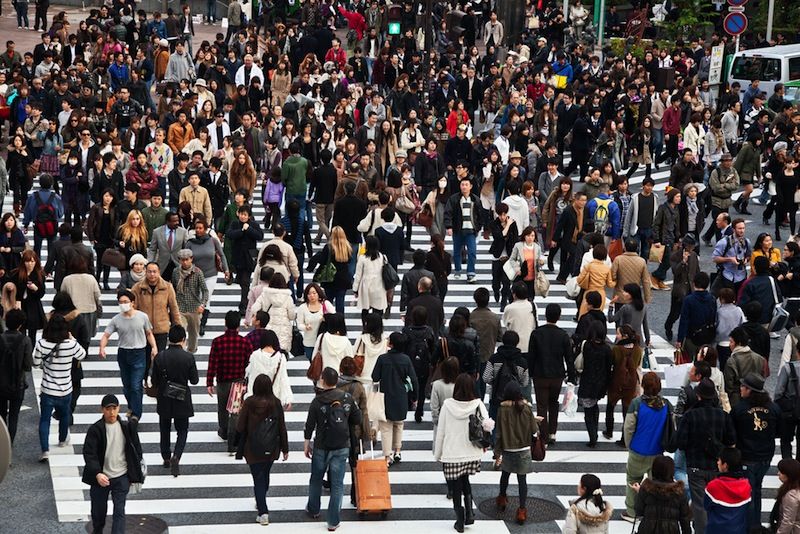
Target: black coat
{"x":391,"y":370}
{"x":94,"y":451}
{"x":596,"y":376}
{"x":174,"y":364}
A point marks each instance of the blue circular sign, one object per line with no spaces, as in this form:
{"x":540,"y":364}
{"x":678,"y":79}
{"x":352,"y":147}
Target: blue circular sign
{"x":735,"y":23}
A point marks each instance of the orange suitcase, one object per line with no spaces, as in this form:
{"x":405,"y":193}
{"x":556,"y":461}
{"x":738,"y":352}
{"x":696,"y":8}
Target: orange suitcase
{"x":373,"y":491}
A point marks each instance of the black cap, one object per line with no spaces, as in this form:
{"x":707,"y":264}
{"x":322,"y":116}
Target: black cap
{"x":109,"y":400}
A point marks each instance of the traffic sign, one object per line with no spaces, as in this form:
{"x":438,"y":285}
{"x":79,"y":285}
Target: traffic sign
{"x":735,"y":23}
{"x":737,"y":3}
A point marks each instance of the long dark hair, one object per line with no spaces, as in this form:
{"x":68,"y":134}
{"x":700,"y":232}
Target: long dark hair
{"x":591,"y":484}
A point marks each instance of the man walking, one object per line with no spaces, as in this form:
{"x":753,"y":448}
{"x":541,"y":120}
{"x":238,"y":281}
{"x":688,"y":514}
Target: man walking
{"x":331,"y":417}
{"x":113,"y":457}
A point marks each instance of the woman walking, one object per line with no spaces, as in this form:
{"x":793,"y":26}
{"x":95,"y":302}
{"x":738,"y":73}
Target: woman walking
{"x":262,"y":408}
{"x":459,"y":456}
{"x":597,"y":361}
{"x":515,"y":426}
{"x":398,"y":381}
{"x":661,"y":501}
{"x":590,"y":513}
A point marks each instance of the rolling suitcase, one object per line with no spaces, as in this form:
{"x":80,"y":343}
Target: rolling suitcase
{"x":373,"y":492}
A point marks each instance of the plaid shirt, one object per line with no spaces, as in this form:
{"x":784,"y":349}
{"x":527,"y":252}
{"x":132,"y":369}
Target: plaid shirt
{"x":194,"y":292}
{"x":229,"y":356}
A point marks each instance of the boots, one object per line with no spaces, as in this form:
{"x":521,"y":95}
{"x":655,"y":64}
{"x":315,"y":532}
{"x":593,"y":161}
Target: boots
{"x":203,"y":321}
{"x":502,"y":502}
{"x":469,"y":515}
{"x":459,"y":524}
{"x":522,"y":515}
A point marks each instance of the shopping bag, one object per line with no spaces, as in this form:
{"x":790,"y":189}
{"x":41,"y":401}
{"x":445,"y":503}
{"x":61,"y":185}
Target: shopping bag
{"x":675,"y":375}
{"x":569,"y":404}
{"x":375,"y":404}
{"x":656,"y":253}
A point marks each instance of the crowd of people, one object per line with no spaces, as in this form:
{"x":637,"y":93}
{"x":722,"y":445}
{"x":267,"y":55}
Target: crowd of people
{"x":126,"y":133}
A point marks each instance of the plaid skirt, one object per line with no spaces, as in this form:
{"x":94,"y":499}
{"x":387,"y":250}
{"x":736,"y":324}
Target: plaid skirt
{"x":458,"y":470}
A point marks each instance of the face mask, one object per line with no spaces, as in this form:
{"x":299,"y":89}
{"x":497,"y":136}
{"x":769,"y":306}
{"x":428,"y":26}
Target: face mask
{"x":442,"y":183}
{"x":125,"y":307}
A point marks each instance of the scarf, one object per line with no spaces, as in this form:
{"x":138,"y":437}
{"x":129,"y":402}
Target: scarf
{"x":136,"y":277}
{"x":184,"y":275}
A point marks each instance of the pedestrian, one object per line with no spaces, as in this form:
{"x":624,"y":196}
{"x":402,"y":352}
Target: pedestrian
{"x":589,"y":513}
{"x":459,"y":456}
{"x":661,"y":501}
{"x":113,"y":458}
{"x":595,"y":377}
{"x":135,"y":334}
{"x":699,"y":432}
{"x":398,"y":382}
{"x":331,"y":418}
{"x":17,"y":361}
{"x":784,"y":517}
{"x":627,"y":360}
{"x":227,"y":360}
{"x":757,"y":420}
{"x":192,"y":295}
{"x":173,"y":370}
{"x":262,"y":425}
{"x":727,"y":496}
{"x":270,"y":360}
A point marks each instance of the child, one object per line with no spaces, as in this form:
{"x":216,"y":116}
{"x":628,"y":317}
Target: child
{"x":588,"y":514}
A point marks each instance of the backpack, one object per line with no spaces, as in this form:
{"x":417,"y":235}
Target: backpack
{"x":601,"y":223}
{"x":266,"y":437}
{"x":507,"y":374}
{"x":45,"y":220}
{"x":337,"y":426}
{"x":12,"y":380}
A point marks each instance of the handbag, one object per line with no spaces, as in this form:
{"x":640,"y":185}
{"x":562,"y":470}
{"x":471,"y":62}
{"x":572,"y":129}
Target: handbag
{"x":236,"y":396}
{"x":114,"y":258}
{"x":538,"y":448}
{"x":376,"y":409}
{"x":315,"y":369}
{"x":541,"y":286}
{"x":780,"y":317}
{"x":390,"y":277}
{"x":477,"y":435}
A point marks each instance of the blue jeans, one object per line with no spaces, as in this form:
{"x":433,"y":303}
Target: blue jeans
{"x":260,"y":472}
{"x":333,"y":462}
{"x":119,"y":492}
{"x":132,"y":363}
{"x":61,"y":406}
{"x":755,"y":472}
{"x":643,"y":236}
{"x":459,"y":240}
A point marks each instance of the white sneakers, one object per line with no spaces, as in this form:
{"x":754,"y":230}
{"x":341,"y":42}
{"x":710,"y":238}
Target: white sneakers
{"x":263,"y":520}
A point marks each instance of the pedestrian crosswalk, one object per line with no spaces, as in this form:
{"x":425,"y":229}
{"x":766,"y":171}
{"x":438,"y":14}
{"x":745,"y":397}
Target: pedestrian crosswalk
{"x":215,"y":489}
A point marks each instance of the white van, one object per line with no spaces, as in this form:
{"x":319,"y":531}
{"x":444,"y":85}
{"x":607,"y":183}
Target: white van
{"x":776,"y":64}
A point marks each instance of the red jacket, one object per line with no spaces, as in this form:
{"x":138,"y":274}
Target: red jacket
{"x":671,"y":122}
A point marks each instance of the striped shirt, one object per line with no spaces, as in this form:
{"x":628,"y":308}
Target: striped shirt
{"x":57,"y":375}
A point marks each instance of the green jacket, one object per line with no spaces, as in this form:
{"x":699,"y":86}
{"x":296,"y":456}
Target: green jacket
{"x":294,"y":173}
{"x":748,"y":162}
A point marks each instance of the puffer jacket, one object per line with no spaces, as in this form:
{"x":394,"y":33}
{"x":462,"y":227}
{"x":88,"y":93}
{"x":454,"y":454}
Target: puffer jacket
{"x":663,"y":507}
{"x":584,"y":517}
{"x":278,"y":303}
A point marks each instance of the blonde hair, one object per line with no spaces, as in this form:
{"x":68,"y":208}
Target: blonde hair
{"x":136,"y":236}
{"x":340,"y":245}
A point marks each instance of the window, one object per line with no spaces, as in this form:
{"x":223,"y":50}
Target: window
{"x":757,"y":68}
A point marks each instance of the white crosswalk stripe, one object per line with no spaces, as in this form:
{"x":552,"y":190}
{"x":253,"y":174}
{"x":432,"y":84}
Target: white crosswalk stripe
{"x":215,"y":490}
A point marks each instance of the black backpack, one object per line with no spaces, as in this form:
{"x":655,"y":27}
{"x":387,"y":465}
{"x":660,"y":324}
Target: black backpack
{"x":266,"y":438}
{"x":507,"y":374}
{"x":337,"y":426}
{"x":45,"y":220}
{"x":12,"y":380}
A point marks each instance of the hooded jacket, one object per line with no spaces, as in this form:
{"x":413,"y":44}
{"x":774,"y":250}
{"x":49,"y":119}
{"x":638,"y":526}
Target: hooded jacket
{"x":452,"y":435}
